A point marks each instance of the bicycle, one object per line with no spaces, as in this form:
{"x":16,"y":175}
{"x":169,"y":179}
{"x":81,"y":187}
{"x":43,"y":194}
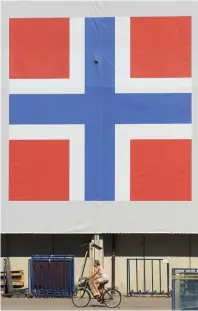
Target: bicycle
{"x":107,"y":295}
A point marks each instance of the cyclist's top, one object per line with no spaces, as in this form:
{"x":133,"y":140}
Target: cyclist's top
{"x":101,"y":272}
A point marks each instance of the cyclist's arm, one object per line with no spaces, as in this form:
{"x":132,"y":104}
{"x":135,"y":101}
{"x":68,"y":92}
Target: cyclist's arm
{"x":96,"y":272}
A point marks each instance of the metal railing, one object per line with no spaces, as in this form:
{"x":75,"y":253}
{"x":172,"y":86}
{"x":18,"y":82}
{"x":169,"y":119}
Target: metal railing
{"x":146,"y":281}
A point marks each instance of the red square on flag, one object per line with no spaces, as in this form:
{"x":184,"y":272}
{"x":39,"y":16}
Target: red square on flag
{"x":160,"y":47}
{"x":39,"y":48}
{"x":39,"y":170}
{"x":160,"y":170}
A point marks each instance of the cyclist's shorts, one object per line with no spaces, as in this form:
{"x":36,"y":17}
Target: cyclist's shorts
{"x":103,"y":280}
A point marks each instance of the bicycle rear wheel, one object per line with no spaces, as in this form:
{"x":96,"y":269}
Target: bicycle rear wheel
{"x":112,"y":298}
{"x":81,"y":297}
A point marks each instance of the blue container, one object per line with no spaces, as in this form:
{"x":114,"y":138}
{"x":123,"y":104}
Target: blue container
{"x":51,"y":276}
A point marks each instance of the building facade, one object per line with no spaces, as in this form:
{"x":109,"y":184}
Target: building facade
{"x":181,"y":251}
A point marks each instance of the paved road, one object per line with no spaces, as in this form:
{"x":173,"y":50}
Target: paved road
{"x":132,"y":303}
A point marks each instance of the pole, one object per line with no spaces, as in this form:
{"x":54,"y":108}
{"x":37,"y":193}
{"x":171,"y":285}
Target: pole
{"x":113,"y":237}
{"x":96,"y":241}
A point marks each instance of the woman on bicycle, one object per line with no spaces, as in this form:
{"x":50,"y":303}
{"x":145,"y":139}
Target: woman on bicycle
{"x":99,"y":277}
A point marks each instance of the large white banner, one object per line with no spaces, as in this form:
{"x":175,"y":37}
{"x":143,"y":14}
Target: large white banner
{"x":99,"y":117}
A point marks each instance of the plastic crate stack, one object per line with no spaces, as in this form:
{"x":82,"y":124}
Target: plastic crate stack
{"x":51,"y":276}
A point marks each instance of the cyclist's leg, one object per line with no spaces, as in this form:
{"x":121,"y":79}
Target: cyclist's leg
{"x":95,"y":284}
{"x":102,"y":284}
{"x":98,"y":283}
{"x":101,"y":289}
{"x":92,"y":287}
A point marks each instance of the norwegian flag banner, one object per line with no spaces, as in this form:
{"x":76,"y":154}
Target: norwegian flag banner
{"x":100,"y":109}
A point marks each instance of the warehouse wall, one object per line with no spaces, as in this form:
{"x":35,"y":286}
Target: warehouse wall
{"x":180,"y":250}
{"x":20,"y":247}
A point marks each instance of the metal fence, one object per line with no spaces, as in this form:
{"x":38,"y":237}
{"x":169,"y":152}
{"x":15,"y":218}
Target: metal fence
{"x":51,"y":276}
{"x":185,"y":289}
{"x":8,"y":286}
{"x":148,"y":276}
{"x":13,"y":281}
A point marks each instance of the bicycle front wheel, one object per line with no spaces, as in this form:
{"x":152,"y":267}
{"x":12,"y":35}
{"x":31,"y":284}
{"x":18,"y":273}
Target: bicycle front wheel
{"x":112,"y":298}
{"x":81,"y":297}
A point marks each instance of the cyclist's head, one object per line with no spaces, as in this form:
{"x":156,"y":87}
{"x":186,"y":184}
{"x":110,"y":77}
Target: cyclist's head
{"x":96,"y":263}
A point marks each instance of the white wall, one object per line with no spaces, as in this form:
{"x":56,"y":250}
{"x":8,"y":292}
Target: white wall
{"x":180,"y":250}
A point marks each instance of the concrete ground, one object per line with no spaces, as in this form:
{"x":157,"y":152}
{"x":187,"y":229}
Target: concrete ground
{"x":132,"y":303}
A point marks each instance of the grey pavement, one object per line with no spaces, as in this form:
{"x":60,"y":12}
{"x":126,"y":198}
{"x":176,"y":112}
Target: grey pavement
{"x":130,"y":303}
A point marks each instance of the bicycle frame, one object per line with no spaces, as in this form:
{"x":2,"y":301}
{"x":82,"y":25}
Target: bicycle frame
{"x":86,"y":285}
{"x":102,"y":290}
